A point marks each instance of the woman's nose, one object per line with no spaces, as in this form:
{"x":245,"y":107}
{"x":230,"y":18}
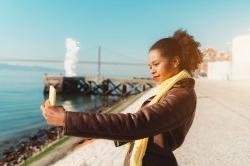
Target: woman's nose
{"x":153,"y":71}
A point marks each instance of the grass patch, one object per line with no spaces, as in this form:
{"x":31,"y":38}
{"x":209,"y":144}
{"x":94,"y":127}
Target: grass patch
{"x":46,"y":151}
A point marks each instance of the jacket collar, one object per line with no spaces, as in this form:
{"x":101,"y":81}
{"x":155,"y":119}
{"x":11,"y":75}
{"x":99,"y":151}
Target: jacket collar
{"x":186,"y":82}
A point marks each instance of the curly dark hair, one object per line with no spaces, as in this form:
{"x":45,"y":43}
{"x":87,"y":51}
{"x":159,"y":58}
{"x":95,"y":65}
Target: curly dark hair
{"x":184,"y":46}
{"x":190,"y":50}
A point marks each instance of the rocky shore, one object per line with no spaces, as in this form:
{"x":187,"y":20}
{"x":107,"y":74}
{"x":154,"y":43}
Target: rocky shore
{"x":17,"y":154}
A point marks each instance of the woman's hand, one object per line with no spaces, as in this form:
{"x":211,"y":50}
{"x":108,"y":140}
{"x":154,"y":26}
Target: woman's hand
{"x":53,"y":115}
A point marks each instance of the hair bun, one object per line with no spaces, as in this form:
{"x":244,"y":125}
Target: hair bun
{"x":190,"y":51}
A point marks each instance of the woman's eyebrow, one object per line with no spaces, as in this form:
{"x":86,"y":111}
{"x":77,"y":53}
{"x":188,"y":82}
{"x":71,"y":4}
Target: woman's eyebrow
{"x":153,"y":62}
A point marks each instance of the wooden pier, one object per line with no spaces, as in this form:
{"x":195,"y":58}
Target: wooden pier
{"x":93,"y":86}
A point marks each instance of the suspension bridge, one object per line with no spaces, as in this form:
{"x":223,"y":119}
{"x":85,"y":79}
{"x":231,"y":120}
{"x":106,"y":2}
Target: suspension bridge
{"x":94,"y":85}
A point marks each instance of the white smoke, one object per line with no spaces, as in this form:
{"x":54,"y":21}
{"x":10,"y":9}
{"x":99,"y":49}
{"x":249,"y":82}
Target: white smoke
{"x":71,"y":57}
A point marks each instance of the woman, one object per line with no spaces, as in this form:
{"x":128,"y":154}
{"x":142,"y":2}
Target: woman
{"x":160,"y":126}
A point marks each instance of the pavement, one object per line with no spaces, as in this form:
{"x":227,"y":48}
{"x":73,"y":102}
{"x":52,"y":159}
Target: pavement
{"x":220,"y":134}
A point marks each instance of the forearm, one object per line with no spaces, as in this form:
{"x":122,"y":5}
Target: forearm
{"x":123,"y":127}
{"x":150,"y":120}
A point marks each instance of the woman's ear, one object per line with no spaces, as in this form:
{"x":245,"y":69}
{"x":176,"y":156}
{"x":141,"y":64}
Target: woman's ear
{"x":176,"y":61}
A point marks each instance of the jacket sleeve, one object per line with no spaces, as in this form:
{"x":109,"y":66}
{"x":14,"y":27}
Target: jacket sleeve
{"x":173,"y":110}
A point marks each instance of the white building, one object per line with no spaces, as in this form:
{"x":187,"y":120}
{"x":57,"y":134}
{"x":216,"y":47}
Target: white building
{"x":241,"y":58}
{"x":218,"y":70}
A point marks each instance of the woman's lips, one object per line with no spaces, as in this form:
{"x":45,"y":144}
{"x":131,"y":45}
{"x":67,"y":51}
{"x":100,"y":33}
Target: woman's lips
{"x":155,"y":77}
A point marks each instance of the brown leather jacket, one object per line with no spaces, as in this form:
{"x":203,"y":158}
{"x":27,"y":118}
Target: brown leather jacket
{"x":166,"y":123}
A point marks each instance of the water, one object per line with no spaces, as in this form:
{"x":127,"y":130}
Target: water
{"x":21,"y":94}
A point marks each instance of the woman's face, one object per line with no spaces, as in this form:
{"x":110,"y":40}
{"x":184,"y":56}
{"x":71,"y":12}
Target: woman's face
{"x":161,"y":68}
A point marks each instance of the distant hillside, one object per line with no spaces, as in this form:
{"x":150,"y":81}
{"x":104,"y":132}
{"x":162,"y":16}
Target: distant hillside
{"x":28,"y":68}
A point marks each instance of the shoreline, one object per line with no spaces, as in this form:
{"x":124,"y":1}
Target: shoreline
{"x":54,"y":150}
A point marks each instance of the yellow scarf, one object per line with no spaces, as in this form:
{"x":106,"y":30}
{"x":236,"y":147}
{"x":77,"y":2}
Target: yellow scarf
{"x":140,"y":146}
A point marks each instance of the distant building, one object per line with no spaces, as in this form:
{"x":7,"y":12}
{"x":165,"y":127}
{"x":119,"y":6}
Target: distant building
{"x":219,"y":70}
{"x":241,"y":58}
{"x":216,"y":65}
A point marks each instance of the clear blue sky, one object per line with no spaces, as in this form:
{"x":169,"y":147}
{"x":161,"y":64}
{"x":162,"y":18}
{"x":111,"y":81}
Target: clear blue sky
{"x":37,"y":29}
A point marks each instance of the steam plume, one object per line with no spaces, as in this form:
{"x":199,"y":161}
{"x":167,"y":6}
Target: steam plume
{"x":71,"y":57}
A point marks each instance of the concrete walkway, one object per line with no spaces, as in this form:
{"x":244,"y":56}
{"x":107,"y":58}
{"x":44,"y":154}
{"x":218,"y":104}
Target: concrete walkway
{"x":220,"y":134}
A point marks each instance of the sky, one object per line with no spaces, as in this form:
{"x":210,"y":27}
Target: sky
{"x":125,"y":30}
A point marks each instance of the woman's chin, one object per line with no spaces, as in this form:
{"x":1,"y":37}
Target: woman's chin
{"x":157,"y":82}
